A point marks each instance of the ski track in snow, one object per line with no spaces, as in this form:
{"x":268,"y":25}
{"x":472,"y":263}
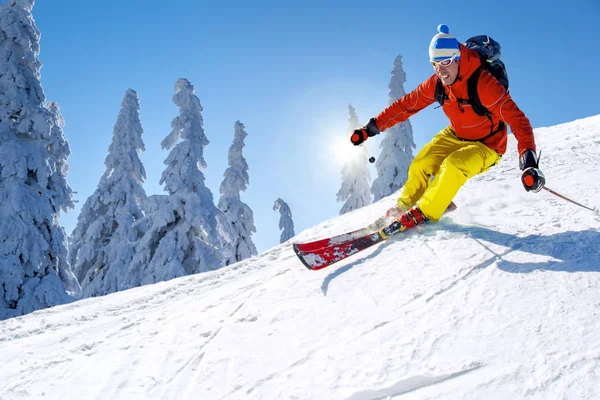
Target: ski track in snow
{"x":123,"y":323}
{"x":499,"y":301}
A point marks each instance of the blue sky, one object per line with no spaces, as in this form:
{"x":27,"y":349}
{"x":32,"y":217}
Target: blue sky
{"x":288,"y":70}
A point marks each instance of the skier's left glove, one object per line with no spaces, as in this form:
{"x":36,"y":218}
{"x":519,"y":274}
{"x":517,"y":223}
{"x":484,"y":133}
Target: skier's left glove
{"x":360,"y":135}
{"x":532,"y":178}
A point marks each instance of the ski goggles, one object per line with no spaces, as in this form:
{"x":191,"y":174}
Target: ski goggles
{"x":443,"y":63}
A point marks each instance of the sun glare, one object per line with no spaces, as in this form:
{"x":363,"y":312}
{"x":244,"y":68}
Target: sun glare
{"x":345,"y":152}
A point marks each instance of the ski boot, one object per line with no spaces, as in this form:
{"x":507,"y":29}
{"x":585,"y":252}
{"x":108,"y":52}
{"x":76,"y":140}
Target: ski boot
{"x":409,"y":219}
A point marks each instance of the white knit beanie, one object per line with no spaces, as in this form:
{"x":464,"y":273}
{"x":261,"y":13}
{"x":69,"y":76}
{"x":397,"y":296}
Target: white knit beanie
{"x":443,"y":45}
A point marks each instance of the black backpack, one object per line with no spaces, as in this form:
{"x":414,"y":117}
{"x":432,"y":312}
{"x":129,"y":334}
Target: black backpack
{"x":489,"y":55}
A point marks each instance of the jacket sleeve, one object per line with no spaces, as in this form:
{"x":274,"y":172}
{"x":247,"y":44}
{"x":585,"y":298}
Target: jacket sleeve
{"x":499,"y":102}
{"x":408,"y":105}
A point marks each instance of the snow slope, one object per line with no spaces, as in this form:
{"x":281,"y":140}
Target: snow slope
{"x":500,"y":301}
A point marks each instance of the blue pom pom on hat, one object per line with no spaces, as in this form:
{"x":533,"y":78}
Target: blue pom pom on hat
{"x":443,"y":45}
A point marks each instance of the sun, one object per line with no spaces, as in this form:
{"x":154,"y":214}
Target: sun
{"x":344,"y":152}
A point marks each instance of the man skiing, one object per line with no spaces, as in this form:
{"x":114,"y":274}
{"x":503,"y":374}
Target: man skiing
{"x":472,"y":143}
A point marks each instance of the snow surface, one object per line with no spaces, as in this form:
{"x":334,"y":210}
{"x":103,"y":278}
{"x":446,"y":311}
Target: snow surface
{"x":500,"y":300}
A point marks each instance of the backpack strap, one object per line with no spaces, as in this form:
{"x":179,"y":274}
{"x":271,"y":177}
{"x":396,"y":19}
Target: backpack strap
{"x":473,"y":101}
{"x":441,"y":96}
{"x":500,"y":128}
{"x":474,"y":96}
{"x":440,"y":92}
{"x":477,"y":106}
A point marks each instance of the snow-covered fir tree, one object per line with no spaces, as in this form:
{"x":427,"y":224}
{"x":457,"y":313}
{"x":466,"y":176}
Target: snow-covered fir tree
{"x":356,"y":176}
{"x":397,"y":145}
{"x":59,"y":151}
{"x":103,"y":242}
{"x":34,"y":270}
{"x":182,"y":235}
{"x":286,"y":224}
{"x":239,"y":214}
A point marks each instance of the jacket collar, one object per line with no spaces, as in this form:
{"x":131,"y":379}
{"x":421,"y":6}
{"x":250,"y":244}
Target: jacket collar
{"x":468,"y":63}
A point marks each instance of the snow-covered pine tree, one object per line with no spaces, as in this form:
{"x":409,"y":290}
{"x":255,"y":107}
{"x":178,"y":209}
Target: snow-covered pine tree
{"x":103,"y":243}
{"x":182,"y":235}
{"x":34,"y":270}
{"x":397,"y":145}
{"x":356,"y":176}
{"x":239,"y":214}
{"x":59,"y":151}
{"x":286,"y":224}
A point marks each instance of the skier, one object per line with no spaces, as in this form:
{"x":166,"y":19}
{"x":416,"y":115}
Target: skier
{"x":472,"y":143}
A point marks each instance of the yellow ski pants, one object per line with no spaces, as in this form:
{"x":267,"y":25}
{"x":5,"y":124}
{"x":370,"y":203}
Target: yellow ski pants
{"x":451,"y":162}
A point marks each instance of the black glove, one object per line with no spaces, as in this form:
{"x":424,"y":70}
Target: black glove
{"x":528,"y":160}
{"x":532,"y":178}
{"x":360,"y":135}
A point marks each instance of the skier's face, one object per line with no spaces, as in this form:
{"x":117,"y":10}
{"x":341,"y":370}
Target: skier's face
{"x":447,"y":73}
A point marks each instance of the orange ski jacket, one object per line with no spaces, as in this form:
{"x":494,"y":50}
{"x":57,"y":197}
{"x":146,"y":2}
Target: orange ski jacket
{"x":466,"y":123}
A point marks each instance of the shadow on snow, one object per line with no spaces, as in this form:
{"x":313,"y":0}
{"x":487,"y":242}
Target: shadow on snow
{"x":572,"y":251}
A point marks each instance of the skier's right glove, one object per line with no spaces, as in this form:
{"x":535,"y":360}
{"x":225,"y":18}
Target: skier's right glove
{"x":532,"y":178}
{"x":360,"y":135}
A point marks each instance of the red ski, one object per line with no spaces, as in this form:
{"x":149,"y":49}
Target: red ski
{"x":324,"y":252}
{"x":344,"y":237}
{"x":320,"y":258}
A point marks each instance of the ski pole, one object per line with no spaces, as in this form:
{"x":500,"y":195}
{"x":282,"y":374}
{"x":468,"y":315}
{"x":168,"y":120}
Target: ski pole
{"x":371,"y":158}
{"x":572,"y":201}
